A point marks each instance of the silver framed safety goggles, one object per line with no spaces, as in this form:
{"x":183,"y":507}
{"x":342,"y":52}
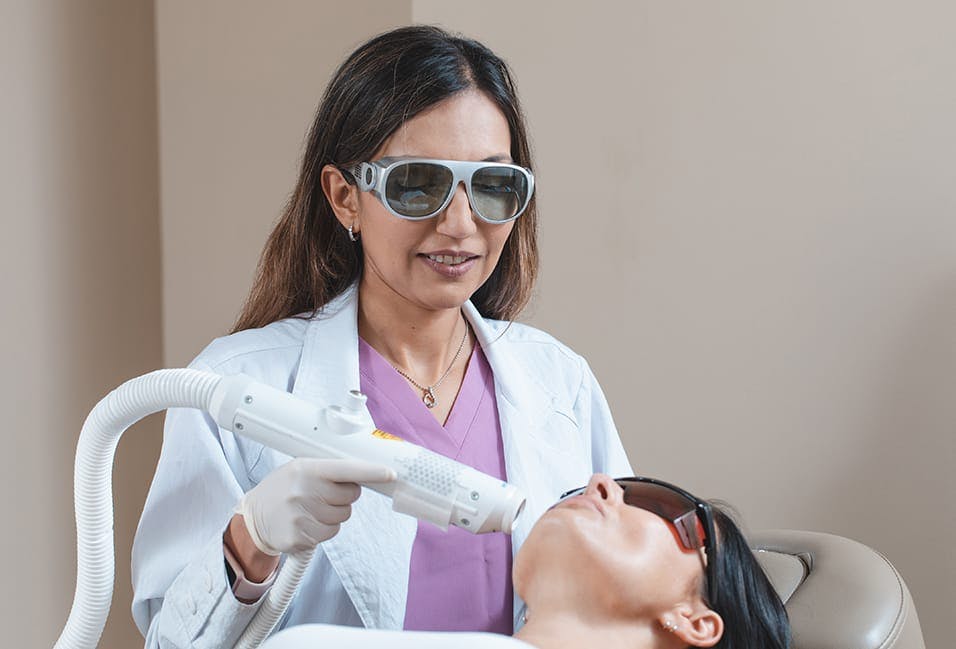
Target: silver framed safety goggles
{"x":420,"y":188}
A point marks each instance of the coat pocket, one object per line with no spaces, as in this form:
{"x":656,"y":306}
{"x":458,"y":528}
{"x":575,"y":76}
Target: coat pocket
{"x":560,"y":432}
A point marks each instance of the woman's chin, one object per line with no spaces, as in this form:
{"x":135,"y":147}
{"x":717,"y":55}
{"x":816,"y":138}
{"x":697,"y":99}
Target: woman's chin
{"x":449,"y":296}
{"x":426,"y":294}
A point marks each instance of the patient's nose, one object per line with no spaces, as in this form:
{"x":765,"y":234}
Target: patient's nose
{"x":604,"y":487}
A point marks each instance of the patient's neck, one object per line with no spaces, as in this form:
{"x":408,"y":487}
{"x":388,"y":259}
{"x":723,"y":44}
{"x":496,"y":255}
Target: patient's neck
{"x":563,"y":630}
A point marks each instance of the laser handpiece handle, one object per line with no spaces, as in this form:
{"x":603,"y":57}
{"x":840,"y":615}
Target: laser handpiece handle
{"x":429,"y":486}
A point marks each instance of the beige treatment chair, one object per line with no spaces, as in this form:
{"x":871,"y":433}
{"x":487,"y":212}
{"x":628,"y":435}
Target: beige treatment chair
{"x":839,"y":593}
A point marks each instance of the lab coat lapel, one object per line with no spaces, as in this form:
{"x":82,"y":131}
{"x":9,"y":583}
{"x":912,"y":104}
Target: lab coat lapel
{"x":523,"y":404}
{"x":372,"y":551}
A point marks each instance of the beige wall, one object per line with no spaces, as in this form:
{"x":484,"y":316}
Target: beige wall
{"x":238,"y":87}
{"x":79,"y":255}
{"x":751,"y":238}
{"x":749,"y":229}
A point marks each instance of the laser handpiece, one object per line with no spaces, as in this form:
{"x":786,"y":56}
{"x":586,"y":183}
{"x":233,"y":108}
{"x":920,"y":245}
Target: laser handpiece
{"x":429,"y":486}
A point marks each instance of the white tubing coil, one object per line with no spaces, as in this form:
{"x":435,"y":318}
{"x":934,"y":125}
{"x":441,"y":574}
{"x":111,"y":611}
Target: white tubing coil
{"x":93,"y":500}
{"x":276,"y":601}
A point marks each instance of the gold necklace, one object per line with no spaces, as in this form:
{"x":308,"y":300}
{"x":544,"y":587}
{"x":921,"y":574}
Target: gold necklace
{"x":428,"y":391}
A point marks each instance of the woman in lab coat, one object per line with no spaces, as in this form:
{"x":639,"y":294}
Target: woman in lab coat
{"x":406,"y":250}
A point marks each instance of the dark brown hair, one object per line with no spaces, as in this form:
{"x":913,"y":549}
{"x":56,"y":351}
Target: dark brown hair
{"x":308,"y":259}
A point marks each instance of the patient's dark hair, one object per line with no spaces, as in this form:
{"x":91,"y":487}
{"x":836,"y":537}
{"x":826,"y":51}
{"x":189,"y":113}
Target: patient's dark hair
{"x":754,"y":616}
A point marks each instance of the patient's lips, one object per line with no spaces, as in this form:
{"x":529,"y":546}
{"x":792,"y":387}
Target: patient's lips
{"x":583,"y":501}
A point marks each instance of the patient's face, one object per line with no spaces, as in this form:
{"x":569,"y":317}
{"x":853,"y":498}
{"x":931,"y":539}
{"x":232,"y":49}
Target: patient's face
{"x":609,"y":556}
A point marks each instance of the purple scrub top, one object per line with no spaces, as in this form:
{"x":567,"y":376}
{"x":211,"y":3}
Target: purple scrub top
{"x":457,"y":581}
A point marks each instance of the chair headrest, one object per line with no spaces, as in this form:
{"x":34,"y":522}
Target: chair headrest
{"x":839,"y":593}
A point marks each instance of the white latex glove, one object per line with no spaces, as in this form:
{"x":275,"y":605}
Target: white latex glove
{"x":303,"y":502}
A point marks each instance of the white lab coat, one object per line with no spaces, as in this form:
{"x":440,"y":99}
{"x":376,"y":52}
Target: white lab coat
{"x":556,"y":429}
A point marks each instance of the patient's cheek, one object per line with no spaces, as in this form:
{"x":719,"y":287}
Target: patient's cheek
{"x":519,"y":578}
{"x":542,"y":551}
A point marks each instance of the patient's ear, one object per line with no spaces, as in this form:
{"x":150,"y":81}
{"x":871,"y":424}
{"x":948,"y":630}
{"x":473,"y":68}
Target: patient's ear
{"x":697,"y":627}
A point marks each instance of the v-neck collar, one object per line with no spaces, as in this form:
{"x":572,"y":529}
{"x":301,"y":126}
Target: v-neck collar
{"x":397,"y":398}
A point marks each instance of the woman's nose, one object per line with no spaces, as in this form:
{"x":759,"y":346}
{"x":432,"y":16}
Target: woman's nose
{"x":604,"y":487}
{"x":457,"y":220}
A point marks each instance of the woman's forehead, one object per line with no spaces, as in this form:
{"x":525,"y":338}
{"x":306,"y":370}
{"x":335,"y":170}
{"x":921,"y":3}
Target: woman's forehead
{"x":467,"y":126}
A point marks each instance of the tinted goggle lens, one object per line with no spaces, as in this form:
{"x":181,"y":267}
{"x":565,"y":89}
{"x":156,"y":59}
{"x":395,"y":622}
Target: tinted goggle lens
{"x":499,"y":192}
{"x":419,"y":189}
{"x":667,"y":503}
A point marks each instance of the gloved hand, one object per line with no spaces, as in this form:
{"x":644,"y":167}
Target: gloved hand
{"x":303,"y":502}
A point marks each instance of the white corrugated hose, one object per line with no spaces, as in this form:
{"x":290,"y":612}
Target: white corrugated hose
{"x":93,"y":497}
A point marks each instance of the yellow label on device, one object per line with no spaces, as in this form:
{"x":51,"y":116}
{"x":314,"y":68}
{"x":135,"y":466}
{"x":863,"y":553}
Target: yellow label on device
{"x":384,"y":435}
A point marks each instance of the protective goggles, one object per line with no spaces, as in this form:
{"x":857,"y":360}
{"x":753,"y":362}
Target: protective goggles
{"x":690,"y":516}
{"x":420,"y":188}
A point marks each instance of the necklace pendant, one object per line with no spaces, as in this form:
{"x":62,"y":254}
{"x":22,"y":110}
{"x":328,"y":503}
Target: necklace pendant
{"x":429,"y":398}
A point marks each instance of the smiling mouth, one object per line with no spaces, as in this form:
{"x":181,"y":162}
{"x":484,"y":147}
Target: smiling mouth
{"x":448,"y":260}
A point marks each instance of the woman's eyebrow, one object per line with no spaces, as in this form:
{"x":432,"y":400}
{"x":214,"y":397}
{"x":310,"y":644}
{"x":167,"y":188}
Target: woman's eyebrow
{"x":501,"y":157}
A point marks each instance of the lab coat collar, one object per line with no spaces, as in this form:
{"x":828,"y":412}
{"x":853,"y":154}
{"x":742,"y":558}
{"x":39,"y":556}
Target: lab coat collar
{"x":523,"y":403}
{"x":329,"y":368}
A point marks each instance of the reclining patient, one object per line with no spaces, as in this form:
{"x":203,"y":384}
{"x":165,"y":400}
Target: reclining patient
{"x":632,"y":562}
